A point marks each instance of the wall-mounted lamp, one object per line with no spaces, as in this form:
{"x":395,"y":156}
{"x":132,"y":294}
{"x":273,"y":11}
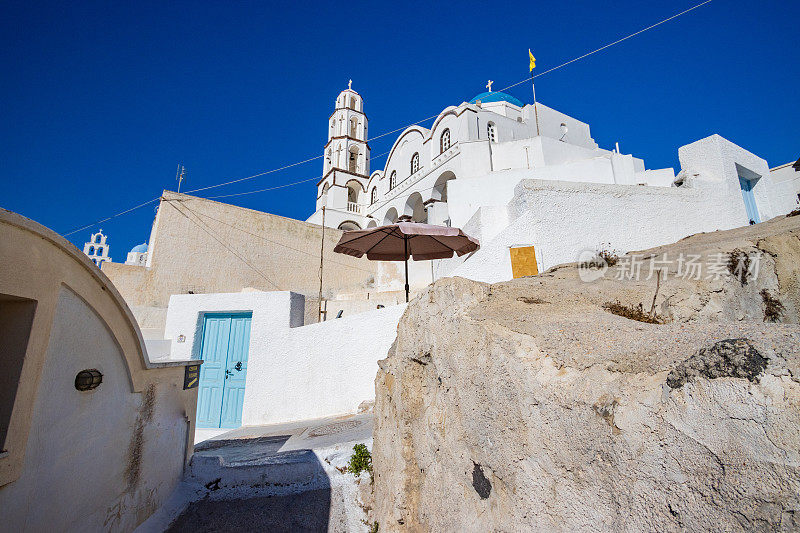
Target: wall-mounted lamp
{"x":88,"y":379}
{"x":564,"y":131}
{"x":181,"y":338}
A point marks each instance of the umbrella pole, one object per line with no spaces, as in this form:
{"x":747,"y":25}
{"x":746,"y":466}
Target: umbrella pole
{"x":405,"y":246}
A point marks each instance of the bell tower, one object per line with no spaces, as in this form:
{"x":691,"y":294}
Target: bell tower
{"x":347,"y":148}
{"x":346,"y":155}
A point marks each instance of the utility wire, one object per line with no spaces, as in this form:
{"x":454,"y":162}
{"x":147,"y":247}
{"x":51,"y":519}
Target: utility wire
{"x":112,"y":216}
{"x":609,"y":45}
{"x":315,"y":178}
{"x":398,"y":129}
{"x":277,"y":243}
{"x":202,"y":225}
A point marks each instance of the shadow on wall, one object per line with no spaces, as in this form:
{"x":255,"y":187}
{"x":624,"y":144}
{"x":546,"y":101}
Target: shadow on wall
{"x":257,"y":464}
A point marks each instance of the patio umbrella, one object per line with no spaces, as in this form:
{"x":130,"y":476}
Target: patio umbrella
{"x":398,"y":242}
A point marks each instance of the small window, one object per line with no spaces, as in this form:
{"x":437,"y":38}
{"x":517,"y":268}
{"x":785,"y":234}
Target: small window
{"x":491,"y":132}
{"x":91,"y":250}
{"x":373,"y":196}
{"x":97,"y":239}
{"x":444,"y":142}
{"x":392,"y":180}
{"x":100,"y":251}
{"x":414,"y":162}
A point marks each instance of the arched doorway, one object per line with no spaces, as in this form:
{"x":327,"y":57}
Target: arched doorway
{"x":390,"y":217}
{"x":348,"y":225}
{"x":415,"y":208}
{"x":353,"y":191}
{"x":440,"y":187}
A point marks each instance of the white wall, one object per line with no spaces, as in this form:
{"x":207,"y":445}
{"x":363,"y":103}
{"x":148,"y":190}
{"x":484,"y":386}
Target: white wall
{"x":562,"y":219}
{"x":317,"y":370}
{"x":99,"y":460}
{"x":786,"y":194}
{"x":271,"y":311}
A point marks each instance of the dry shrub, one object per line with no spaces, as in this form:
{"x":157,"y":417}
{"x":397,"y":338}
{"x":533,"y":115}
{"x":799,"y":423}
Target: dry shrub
{"x":739,"y":265}
{"x":634,"y":313}
{"x":794,"y":213}
{"x":773,"y":308}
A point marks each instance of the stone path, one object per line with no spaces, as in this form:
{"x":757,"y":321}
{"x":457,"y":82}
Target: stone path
{"x":283,"y":477}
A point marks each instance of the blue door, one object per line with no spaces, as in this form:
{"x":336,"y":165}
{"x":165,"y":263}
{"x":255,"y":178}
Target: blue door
{"x":224,"y":349}
{"x":749,"y":200}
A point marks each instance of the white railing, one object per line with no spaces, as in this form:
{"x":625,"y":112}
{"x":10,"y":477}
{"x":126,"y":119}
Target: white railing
{"x":353,"y":207}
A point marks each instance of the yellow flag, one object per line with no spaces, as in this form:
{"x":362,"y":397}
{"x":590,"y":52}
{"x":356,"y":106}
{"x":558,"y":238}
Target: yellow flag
{"x":532,"y":60}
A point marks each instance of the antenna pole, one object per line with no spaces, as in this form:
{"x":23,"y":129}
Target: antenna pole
{"x":179,"y":175}
{"x":321,"y":250}
{"x":535,"y":109}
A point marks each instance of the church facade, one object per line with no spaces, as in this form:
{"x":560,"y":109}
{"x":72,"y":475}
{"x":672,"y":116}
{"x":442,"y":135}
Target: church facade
{"x":466,"y":170}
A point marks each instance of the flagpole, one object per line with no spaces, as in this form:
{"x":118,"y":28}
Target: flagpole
{"x":535,"y":109}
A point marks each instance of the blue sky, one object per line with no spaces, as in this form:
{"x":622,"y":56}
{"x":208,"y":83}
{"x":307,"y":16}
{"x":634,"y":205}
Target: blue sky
{"x":102,"y":100}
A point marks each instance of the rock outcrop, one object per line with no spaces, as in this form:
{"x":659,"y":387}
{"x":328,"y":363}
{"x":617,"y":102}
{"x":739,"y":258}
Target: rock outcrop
{"x":528,"y":406}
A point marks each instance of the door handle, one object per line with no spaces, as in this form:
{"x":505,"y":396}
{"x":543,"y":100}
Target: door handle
{"x":238,"y":366}
{"x":228,"y":373}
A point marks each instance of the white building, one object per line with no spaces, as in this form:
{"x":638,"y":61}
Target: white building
{"x":137,"y":255}
{"x":97,"y":249}
{"x":468,"y":170}
{"x":787,"y":178}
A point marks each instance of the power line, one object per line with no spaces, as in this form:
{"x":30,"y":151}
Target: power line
{"x":203,"y":226}
{"x":397,"y":129}
{"x":609,"y":45}
{"x":112,"y":216}
{"x":273,"y":242}
{"x":315,"y":178}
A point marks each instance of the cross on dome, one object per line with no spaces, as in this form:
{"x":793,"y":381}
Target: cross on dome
{"x":350,"y":85}
{"x":489,"y":85}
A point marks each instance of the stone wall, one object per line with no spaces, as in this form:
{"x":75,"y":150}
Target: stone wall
{"x":528,"y":406}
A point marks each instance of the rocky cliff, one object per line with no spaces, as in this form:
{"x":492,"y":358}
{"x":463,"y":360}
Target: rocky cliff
{"x":531,"y":406}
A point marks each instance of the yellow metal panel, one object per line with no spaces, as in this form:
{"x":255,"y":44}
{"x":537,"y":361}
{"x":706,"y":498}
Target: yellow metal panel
{"x":523,"y":261}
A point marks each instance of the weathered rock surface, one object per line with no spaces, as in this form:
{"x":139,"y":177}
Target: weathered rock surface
{"x":525,"y":406}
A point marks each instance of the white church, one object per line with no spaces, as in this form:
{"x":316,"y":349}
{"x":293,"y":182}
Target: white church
{"x":526,"y":176}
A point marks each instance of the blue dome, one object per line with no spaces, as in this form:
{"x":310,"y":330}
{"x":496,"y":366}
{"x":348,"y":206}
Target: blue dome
{"x":141,"y":248}
{"x":496,"y":97}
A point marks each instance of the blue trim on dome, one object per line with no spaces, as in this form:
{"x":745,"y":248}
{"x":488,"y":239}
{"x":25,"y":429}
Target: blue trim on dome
{"x":139,"y":248}
{"x":497,"y":96}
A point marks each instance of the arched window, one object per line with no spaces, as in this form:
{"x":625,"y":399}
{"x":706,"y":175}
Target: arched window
{"x":444,"y":142}
{"x":91,"y":250}
{"x":491,"y":132}
{"x":414,"y":162}
{"x":100,"y":251}
{"x":373,"y":197}
{"x":353,"y":103}
{"x":354,"y":127}
{"x":97,"y":239}
{"x":333,"y":126}
{"x":392,"y":180}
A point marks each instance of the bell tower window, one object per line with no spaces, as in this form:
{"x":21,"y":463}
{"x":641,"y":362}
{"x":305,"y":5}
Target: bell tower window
{"x":491,"y":132}
{"x":414,"y":163}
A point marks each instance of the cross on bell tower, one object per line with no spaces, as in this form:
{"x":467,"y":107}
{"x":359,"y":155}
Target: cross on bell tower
{"x":489,"y":85}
